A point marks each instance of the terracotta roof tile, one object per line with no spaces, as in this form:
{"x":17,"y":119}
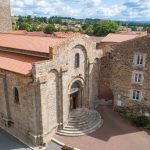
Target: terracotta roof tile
{"x":116,"y":38}
{"x":17,"y":63}
{"x":32,"y":42}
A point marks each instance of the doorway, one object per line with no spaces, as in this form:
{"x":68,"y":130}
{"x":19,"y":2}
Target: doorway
{"x":75,"y":96}
{"x":73,"y":101}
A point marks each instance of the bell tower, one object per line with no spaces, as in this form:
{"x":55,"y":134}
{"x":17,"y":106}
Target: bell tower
{"x":5,"y":16}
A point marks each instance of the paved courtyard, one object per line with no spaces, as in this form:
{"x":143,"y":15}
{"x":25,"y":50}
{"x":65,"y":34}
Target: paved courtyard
{"x":8,"y":142}
{"x":115,"y":134}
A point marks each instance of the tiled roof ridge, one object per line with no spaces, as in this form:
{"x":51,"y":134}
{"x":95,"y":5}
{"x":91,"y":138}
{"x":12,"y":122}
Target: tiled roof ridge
{"x":53,"y":35}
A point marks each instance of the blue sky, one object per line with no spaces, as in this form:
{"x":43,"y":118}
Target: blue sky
{"x":138,"y":10}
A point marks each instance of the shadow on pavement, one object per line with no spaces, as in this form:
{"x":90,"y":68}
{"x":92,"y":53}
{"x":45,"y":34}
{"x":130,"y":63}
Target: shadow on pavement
{"x":8,"y":142}
{"x":114,"y":125}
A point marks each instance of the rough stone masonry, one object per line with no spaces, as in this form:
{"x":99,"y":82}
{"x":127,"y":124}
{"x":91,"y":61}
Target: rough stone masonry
{"x":5,"y":16}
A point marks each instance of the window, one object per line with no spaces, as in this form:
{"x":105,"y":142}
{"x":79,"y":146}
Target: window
{"x":77,"y":60}
{"x":136,"y":95}
{"x":16,"y":95}
{"x":139,"y":59}
{"x":137,"y":77}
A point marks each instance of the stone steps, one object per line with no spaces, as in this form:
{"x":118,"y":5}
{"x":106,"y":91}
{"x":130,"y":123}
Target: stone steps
{"x":82,"y":119}
{"x":85,"y":121}
{"x":81,"y":122}
{"x":82,"y":126}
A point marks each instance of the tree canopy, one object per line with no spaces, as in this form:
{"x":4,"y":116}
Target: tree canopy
{"x":49,"y":29}
{"x":104,"y":27}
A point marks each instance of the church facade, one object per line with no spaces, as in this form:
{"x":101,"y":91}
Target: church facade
{"x":51,"y":83}
{"x":40,"y":86}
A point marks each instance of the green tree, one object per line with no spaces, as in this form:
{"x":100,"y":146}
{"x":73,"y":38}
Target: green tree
{"x":89,"y":30}
{"x":134,"y":28}
{"x":49,"y":29}
{"x":24,"y":26}
{"x":104,"y":27}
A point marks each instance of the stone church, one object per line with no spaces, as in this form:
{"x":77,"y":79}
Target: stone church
{"x":44,"y":82}
{"x":50,"y":83}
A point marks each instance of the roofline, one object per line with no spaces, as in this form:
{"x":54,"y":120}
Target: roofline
{"x":26,"y":33}
{"x":24,"y":52}
{"x":26,"y":75}
{"x":116,"y":44}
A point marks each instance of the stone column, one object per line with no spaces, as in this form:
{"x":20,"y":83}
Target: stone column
{"x":86,"y":87}
{"x":91,"y":90}
{"x":82,"y":97}
{"x":37,"y":133}
{"x":60,"y":100}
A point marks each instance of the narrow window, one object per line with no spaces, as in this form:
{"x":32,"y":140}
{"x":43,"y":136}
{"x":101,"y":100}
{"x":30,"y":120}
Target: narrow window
{"x":136,"y":95}
{"x":16,"y":95}
{"x":137,"y":77}
{"x":139,"y":60}
{"x":77,"y":60}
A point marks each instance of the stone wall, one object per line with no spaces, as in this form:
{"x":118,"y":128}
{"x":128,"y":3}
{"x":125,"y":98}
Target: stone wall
{"x":21,"y":120}
{"x":45,"y":96}
{"x":118,"y":69}
{"x":5,"y":16}
{"x":56,"y":77}
{"x":123,"y":66}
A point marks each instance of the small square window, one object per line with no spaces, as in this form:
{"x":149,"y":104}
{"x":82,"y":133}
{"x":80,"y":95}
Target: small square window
{"x":137,"y":77}
{"x":136,"y":95}
{"x":139,"y":59}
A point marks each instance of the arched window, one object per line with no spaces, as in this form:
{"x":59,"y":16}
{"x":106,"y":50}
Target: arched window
{"x":77,"y":60}
{"x":16,"y":95}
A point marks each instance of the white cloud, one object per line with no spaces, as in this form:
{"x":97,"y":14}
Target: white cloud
{"x":131,"y":9}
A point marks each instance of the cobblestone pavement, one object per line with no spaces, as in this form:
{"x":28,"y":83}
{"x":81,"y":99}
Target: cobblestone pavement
{"x":115,"y":134}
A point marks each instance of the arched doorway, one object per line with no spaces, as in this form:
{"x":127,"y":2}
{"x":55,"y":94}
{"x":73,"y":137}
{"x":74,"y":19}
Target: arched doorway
{"x":76,"y":95}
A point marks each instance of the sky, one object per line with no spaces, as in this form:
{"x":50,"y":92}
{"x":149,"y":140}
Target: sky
{"x":136,"y":10}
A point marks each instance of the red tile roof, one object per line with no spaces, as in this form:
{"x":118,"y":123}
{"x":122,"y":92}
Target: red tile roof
{"x":17,"y":63}
{"x":32,"y":42}
{"x":117,"y":38}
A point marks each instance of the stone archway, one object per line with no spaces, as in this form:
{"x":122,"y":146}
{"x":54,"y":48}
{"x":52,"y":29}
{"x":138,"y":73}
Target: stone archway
{"x":76,"y":95}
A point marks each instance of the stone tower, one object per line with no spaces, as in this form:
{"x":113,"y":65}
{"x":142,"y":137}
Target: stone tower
{"x":5,"y":16}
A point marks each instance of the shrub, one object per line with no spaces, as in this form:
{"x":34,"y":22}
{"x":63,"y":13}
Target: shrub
{"x":49,"y":29}
{"x":140,"y":121}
